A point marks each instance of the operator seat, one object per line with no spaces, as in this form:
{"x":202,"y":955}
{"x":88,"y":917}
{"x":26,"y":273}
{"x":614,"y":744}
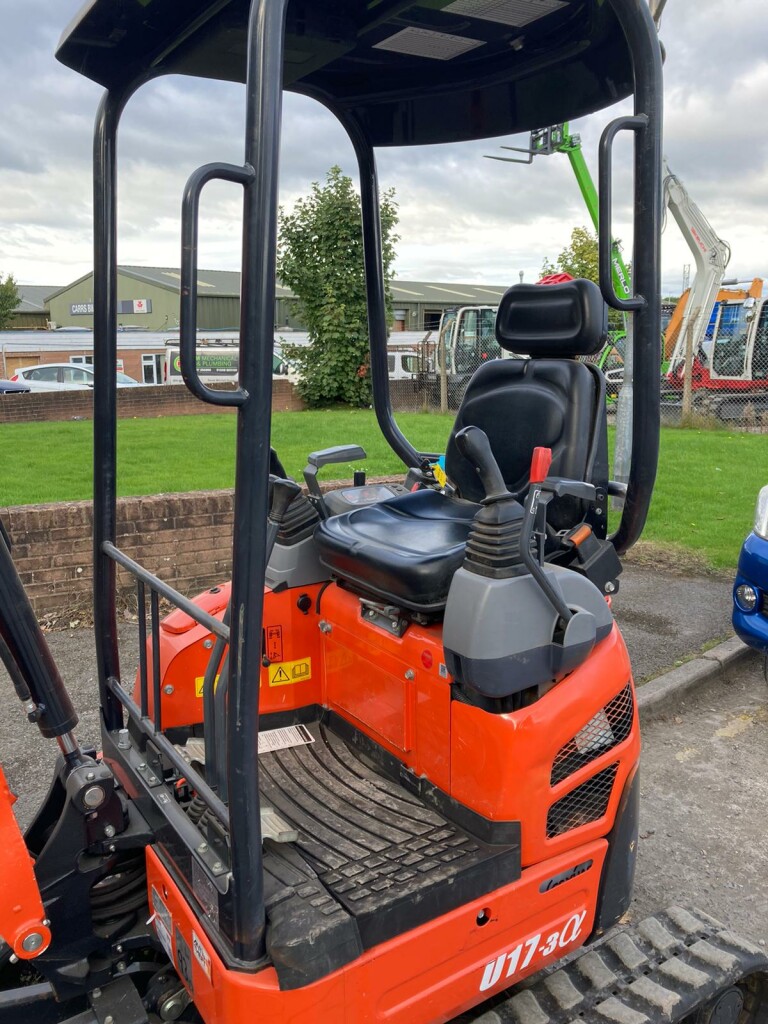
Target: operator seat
{"x":550,"y":400}
{"x":405,"y":550}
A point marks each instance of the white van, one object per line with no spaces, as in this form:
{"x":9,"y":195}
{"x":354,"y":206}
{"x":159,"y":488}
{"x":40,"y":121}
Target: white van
{"x":403,"y":365}
{"x":214,"y":363}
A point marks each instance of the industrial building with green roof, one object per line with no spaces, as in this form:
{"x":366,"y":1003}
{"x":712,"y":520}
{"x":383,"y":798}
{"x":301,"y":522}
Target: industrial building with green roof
{"x":148,"y":297}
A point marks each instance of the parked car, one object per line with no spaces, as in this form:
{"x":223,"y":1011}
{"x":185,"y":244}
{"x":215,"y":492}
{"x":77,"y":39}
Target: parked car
{"x":14,"y":387}
{"x":750,"y":589}
{"x":65,"y":377}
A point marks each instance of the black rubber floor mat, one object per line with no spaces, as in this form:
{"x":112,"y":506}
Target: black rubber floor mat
{"x":374,"y":849}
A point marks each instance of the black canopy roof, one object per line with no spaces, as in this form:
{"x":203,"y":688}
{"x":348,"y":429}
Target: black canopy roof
{"x":408,"y":73}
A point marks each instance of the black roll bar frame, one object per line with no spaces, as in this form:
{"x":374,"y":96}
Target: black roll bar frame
{"x":260,"y":191}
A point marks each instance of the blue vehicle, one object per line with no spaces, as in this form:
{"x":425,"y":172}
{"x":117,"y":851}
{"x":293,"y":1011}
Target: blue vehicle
{"x":750,"y":590}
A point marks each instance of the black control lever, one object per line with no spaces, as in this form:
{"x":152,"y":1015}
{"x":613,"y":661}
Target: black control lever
{"x":474,"y":445}
{"x":539,"y":495}
{"x":281,"y":494}
{"x":327,"y":457}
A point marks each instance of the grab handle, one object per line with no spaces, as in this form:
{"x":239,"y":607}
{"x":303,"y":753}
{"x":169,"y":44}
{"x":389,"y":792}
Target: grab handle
{"x":190,"y":206}
{"x":636,"y":123}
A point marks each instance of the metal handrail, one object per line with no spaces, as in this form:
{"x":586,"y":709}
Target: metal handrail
{"x":641,"y":35}
{"x":168,"y":750}
{"x":190,"y":208}
{"x":165,"y":590}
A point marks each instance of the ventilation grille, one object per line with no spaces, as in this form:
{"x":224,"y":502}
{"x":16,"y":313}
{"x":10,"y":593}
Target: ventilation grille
{"x":588,"y":802}
{"x":609,"y":727}
{"x":425,"y":42}
{"x":506,"y":12}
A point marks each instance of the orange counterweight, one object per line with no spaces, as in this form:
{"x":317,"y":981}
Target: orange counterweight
{"x":427,"y":976}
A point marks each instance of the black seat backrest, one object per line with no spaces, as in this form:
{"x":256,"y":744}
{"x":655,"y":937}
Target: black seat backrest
{"x":548,"y":400}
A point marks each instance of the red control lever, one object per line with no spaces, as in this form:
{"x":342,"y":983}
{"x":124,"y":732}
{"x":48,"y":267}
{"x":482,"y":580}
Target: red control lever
{"x":540,"y":463}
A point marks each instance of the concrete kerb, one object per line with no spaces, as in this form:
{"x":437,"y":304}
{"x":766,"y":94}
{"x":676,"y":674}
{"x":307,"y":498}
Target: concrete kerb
{"x":660,"y":693}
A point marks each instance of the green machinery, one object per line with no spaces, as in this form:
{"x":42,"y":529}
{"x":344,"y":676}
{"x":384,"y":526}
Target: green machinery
{"x":558,"y":139}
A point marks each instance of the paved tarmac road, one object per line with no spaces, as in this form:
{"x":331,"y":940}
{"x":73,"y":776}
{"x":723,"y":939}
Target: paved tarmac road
{"x":704,"y":803}
{"x":666,"y":618}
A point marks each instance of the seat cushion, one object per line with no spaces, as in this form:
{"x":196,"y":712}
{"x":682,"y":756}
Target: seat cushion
{"x":404,"y":550}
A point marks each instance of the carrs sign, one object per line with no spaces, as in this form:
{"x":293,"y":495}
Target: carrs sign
{"x":124,"y":306}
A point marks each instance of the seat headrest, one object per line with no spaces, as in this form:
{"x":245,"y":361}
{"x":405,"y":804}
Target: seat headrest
{"x":553,"y":321}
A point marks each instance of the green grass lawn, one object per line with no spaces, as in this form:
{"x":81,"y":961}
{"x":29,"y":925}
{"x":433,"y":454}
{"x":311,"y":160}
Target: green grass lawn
{"x":705,"y":493}
{"x":704,"y":498}
{"x":52,"y":461}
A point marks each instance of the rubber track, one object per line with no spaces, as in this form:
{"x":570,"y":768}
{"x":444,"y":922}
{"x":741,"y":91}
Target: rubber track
{"x":662,"y":969}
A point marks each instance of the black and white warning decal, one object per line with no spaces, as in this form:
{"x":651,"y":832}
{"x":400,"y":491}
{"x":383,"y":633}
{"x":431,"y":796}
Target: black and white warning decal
{"x":271,"y":740}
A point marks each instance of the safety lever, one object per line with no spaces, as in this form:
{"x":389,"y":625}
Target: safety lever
{"x":327,"y":457}
{"x":541,"y":491}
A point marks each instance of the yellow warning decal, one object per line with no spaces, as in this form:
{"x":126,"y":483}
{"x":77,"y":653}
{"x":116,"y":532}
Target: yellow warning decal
{"x":288,"y":672}
{"x":199,"y":682}
{"x":439,"y":474}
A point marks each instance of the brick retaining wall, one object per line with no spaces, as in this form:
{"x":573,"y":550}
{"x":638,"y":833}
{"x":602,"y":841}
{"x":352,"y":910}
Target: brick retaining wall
{"x":169,"y":400}
{"x":145,"y":402}
{"x":184,"y":538}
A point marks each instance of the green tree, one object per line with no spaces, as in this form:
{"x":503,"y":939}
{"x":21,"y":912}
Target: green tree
{"x":579,"y":259}
{"x":320,"y":258}
{"x":9,"y":300}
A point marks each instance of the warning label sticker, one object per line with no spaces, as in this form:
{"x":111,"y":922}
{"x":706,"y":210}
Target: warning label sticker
{"x":199,"y":683}
{"x":273,"y":639}
{"x":201,"y":955}
{"x":163,"y":922}
{"x":281,"y":739}
{"x":289,"y":672}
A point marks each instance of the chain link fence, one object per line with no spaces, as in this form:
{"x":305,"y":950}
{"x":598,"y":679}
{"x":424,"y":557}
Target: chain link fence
{"x":719,"y":381}
{"x":724,"y":382}
{"x":443,"y":361}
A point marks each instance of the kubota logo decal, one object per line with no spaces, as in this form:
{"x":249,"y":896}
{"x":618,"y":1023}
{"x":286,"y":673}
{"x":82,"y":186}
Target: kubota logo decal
{"x":517,"y":959}
{"x":565,"y":876}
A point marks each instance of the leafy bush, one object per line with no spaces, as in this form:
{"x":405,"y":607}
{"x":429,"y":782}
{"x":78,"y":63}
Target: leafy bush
{"x":320,"y":258}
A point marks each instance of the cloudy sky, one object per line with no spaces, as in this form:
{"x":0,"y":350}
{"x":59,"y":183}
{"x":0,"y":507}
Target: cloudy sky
{"x":462,"y":218}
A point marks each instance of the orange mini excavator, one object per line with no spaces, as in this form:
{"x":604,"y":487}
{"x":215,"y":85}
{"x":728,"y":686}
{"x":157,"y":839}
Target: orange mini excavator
{"x":390,"y":770}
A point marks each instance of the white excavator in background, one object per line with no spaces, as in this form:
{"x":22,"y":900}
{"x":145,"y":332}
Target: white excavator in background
{"x":715,"y":340}
{"x":466,"y":338}
{"x":686,"y":329}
